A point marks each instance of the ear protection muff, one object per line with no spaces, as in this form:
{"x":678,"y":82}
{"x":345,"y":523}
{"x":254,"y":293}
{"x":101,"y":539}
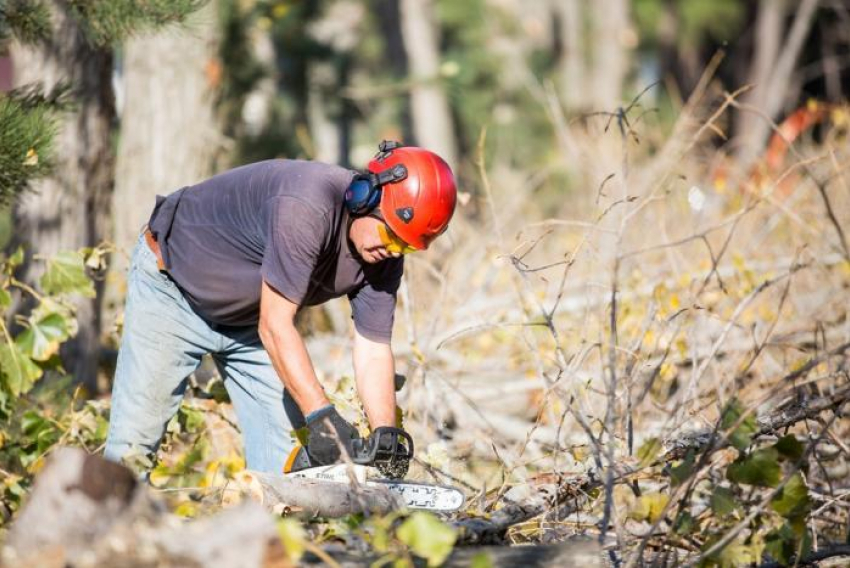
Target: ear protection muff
{"x":362,"y":195}
{"x":364,"y":192}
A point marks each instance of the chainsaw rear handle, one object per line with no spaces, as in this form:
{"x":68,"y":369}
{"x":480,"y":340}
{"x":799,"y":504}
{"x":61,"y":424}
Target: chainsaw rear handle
{"x":385,"y":445}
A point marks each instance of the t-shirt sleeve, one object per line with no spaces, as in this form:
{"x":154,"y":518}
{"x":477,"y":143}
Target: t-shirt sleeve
{"x":294,"y":240}
{"x":373,"y":304}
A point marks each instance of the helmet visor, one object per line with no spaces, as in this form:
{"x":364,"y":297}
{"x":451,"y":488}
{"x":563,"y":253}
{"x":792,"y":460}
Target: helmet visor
{"x":392,"y":242}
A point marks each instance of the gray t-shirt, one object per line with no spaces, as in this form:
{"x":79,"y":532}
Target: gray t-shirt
{"x":282,"y":221}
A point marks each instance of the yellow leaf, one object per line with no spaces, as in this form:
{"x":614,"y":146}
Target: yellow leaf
{"x":649,"y":507}
{"x":159,"y":476}
{"x":186,"y":509}
{"x":293,"y":537}
{"x":36,"y":466}
{"x":279,"y":11}
{"x":675,"y":304}
{"x":31,"y":158}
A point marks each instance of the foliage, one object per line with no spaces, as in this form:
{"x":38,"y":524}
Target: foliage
{"x":110,"y":21}
{"x":768,"y":477}
{"x":719,"y":19}
{"x":28,"y":125}
{"x":27,"y":20}
{"x":38,"y":409}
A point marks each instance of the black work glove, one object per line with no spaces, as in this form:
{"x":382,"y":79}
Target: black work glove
{"x":326,"y":430}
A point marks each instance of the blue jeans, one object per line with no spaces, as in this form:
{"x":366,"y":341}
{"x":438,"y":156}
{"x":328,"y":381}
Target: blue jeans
{"x":162,"y":344}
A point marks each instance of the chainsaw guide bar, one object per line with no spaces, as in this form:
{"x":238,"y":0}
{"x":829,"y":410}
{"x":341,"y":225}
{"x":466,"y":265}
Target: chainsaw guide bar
{"x":414,"y":495}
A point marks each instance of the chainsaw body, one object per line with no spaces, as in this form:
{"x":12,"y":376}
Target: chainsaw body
{"x":387,"y":449}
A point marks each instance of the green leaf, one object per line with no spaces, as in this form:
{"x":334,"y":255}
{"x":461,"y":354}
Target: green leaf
{"x":32,"y":423}
{"x":15,"y":260}
{"x":786,"y":543}
{"x":648,"y":451}
{"x":191,"y":419}
{"x":759,"y":468}
{"x":793,"y":500}
{"x":681,"y":472}
{"x":742,"y":436}
{"x":5,"y":298}
{"x":66,"y":274}
{"x":723,"y":501}
{"x":789,"y":447}
{"x":427,"y":537}
{"x":685,"y":523}
{"x":481,"y":560}
{"x":42,"y":339}
{"x":19,"y":370}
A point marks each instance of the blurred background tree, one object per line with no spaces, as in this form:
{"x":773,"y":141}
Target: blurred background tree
{"x":72,"y":43}
{"x":326,"y":79}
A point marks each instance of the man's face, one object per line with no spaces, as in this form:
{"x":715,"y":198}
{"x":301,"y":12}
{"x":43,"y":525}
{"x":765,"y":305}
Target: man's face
{"x":367,"y":241}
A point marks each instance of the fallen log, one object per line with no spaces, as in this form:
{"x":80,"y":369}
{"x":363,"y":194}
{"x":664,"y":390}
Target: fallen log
{"x":86,"y":511}
{"x":573,"y":553}
{"x":280,"y":494}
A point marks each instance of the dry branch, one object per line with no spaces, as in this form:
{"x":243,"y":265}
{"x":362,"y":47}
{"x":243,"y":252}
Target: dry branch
{"x":570,"y":493}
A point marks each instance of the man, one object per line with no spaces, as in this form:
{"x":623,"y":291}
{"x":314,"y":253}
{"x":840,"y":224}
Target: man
{"x":224,"y":266}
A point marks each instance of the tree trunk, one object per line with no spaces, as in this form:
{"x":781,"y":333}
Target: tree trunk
{"x":388,"y":13}
{"x":169,"y":136}
{"x":571,"y":57}
{"x":71,"y":209}
{"x":771,"y":72}
{"x":324,"y":133}
{"x":432,"y":122}
{"x":610,"y":52}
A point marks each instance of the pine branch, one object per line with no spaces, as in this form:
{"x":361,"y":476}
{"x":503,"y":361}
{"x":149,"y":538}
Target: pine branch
{"x":28,"y":125}
{"x":27,"y":20}
{"x":110,"y":21}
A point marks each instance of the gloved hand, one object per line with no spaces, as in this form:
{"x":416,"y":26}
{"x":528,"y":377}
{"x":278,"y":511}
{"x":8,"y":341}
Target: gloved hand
{"x":326,"y":429}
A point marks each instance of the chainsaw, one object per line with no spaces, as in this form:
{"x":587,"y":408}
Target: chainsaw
{"x":389,"y":450}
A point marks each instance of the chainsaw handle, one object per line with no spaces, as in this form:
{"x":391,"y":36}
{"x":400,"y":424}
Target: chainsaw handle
{"x":369,"y":451}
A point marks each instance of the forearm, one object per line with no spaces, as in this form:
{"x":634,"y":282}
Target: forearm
{"x":293,"y":365}
{"x":374,"y":369}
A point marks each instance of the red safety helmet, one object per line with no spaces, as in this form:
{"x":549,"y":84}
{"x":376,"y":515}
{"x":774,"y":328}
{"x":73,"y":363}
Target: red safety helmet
{"x":419,"y":206}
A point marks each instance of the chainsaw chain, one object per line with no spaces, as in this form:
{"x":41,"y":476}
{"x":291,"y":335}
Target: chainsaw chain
{"x":396,"y":469}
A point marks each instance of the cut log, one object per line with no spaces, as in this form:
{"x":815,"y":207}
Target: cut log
{"x":76,"y":499}
{"x":312,"y":497}
{"x":86,"y":511}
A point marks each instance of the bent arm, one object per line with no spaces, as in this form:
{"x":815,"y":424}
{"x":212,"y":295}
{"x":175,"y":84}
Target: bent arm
{"x":374,"y":370}
{"x":287,"y":350}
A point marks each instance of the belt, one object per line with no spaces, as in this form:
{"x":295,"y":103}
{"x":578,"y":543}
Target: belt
{"x":154,"y":246}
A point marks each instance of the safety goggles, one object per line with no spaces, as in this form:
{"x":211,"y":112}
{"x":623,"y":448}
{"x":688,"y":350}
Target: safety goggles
{"x":392,"y":242}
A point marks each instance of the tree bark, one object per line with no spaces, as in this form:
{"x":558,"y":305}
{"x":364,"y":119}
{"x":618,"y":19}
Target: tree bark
{"x":571,"y":57}
{"x":324,"y":132}
{"x":388,"y":13}
{"x":432,"y":121}
{"x":169,"y":136}
{"x":86,"y":511}
{"x":71,"y":209}
{"x":771,"y":72}
{"x":610,"y":52}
